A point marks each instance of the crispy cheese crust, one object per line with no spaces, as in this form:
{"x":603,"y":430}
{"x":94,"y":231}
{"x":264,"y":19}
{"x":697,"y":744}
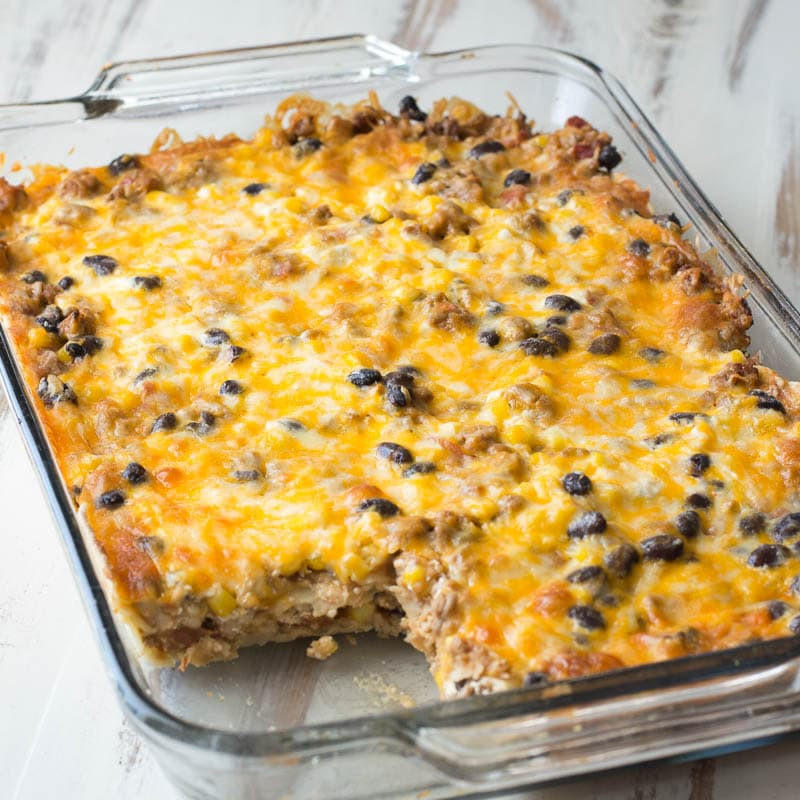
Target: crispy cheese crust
{"x":444,"y":374}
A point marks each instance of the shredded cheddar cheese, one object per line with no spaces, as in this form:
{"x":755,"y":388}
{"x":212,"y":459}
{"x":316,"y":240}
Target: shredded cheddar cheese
{"x":449,"y":377}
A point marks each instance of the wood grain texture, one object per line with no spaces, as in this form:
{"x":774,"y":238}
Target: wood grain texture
{"x":719,"y":78}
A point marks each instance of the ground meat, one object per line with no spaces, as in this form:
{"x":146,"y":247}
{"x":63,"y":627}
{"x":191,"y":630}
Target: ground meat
{"x":76,"y":322}
{"x":514,"y":329}
{"x":322,"y":648}
{"x":451,"y":529}
{"x":11,"y":197}
{"x":474,"y":441}
{"x":4,"y":257}
{"x":31,"y":298}
{"x":79,"y":184}
{"x":456,"y":119}
{"x":443,"y":313}
{"x":185,"y":171}
{"x":403,"y":530}
{"x":576,"y":663}
{"x":449,"y":218}
{"x":788,"y":455}
{"x":525,"y":397}
{"x":744,"y":375}
{"x":461,"y":184}
{"x":72,"y":214}
{"x":135,"y":183}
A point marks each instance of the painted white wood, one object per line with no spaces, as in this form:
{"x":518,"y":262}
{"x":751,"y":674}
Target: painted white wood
{"x":720,"y":80}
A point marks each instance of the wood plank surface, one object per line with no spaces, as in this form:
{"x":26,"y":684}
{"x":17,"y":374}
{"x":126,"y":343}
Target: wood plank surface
{"x":718,"y":77}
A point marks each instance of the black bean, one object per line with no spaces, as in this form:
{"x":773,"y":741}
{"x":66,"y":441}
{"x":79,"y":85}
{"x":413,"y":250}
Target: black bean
{"x":397,"y":395}
{"x":609,"y":157}
{"x":419,"y":468}
{"x":394,"y":452}
{"x":658,"y":440}
{"x":215,"y":336}
{"x":534,"y":346}
{"x":787,"y":527}
{"x":667,"y":220}
{"x":364,"y":377}
{"x":410,"y":109}
{"x":538,"y":281}
{"x":586,"y":524}
{"x":697,"y":500}
{"x":134,"y":473}
{"x":662,"y":547}
{"x":698,"y":464}
{"x":384,"y":507}
{"x":685,"y":417}
{"x":585,"y":574}
{"x":562,"y":198}
{"x":424,"y":173}
{"x":291,"y":424}
{"x":34,"y":276}
{"x":752,"y":524}
{"x":587,"y":617}
{"x":794,"y":624}
{"x":767,"y":401}
{"x":255,"y":188}
{"x":620,"y":560}
{"x":493,"y":308}
{"x":91,"y":344}
{"x":642,"y":383}
{"x":484,"y":148}
{"x":204,"y":426}
{"x":652,"y":354}
{"x":231,"y":387}
{"x":148,"y":282}
{"x":75,"y":350}
{"x":576,"y":483}
{"x":489,"y":337}
{"x":66,"y":283}
{"x":443,"y":162}
{"x":403,"y":376}
{"x":687,"y":524}
{"x":305,"y":147}
{"x":768,"y":555}
{"x":123,"y":163}
{"x":561,"y":302}
{"x":52,"y":390}
{"x":605,"y":344}
{"x":639,"y":247}
{"x":534,"y":679}
{"x":246,"y":475}
{"x":234,"y":352}
{"x":794,"y":586}
{"x":50,"y":318}
{"x":575,"y":232}
{"x":102,"y":265}
{"x":407,"y":369}
{"x":557,"y":337}
{"x":164,"y":422}
{"x":112,"y":499}
{"x":148,"y":372}
{"x":776,"y":609}
{"x":520,"y":176}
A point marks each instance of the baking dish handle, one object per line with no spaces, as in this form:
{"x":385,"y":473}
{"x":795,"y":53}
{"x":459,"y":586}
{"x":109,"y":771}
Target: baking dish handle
{"x":729,"y":712}
{"x":214,"y":78}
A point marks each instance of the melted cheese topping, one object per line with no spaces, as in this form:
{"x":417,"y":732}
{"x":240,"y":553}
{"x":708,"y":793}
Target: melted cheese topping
{"x":340,"y":261}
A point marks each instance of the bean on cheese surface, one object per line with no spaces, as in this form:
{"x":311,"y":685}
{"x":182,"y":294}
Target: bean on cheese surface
{"x":437,"y":374}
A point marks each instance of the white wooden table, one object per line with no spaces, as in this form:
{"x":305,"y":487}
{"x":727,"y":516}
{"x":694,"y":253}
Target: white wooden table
{"x":720,"y":79}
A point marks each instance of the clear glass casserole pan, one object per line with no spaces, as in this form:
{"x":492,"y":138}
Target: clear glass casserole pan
{"x":366,"y":724}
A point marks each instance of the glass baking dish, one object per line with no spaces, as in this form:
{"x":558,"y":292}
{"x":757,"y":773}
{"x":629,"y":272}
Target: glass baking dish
{"x":366,"y":723}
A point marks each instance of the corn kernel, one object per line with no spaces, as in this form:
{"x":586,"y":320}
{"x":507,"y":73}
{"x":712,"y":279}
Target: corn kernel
{"x":413,"y":575}
{"x":737,"y":356}
{"x":379,"y":214}
{"x":541,"y":140}
{"x":468,"y":244}
{"x":39,"y":337}
{"x":295,"y":205}
{"x":222,"y":602}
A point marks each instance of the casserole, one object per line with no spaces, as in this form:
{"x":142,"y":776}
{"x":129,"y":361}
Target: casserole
{"x":446,"y":740}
